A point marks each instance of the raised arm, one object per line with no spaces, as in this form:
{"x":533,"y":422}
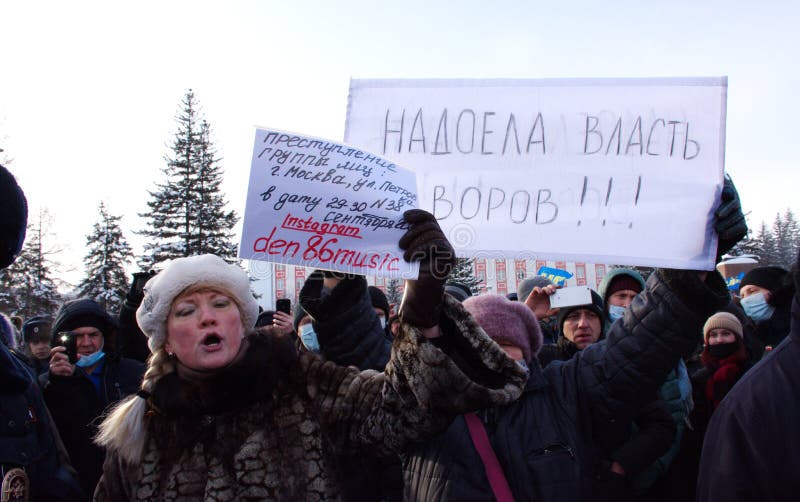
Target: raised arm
{"x":422,"y":389}
{"x":347,"y":327}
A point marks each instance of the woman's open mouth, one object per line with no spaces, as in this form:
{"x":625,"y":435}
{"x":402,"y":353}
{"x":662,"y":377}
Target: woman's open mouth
{"x":212,"y":341}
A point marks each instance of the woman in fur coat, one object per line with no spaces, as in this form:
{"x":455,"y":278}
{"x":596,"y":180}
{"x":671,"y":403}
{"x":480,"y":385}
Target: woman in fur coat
{"x":229,"y":414}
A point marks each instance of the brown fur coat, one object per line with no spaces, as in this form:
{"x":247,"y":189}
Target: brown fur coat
{"x":269,"y":427}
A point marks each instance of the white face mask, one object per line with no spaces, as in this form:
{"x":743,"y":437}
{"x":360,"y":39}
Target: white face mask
{"x":615,"y":312}
{"x":309,"y":338}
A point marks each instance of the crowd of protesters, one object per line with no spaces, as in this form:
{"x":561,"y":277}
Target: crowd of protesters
{"x":666,"y":389}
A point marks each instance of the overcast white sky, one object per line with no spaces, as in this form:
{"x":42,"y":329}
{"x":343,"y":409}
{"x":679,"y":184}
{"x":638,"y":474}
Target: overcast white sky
{"x":89,"y":90}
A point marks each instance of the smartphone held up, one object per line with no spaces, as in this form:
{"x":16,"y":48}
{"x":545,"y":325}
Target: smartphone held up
{"x":69,"y":341}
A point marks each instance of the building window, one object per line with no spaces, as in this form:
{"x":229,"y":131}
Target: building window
{"x":580,"y":274}
{"x":500,"y":270}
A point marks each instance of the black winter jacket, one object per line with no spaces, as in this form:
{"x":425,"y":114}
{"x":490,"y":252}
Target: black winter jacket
{"x":28,"y":438}
{"x":649,"y":436}
{"x":547,"y":435}
{"x":749,"y":453}
{"x":347,"y":328}
{"x":77,"y":410}
{"x":349,"y":333}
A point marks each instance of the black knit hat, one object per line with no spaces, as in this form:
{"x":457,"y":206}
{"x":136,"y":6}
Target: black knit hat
{"x":770,"y":278}
{"x":299,"y":314}
{"x":379,"y":301}
{"x":36,"y":329}
{"x":83,"y":312}
{"x":265,"y":318}
{"x":597,"y":306}
{"x":13,"y":218}
{"x":458,"y":291}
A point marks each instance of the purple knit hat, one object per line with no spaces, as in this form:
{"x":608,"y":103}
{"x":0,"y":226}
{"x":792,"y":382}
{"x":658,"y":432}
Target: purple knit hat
{"x":504,"y":320}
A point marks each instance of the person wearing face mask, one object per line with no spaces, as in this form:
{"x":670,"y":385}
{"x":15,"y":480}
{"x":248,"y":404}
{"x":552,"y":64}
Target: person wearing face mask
{"x":618,"y":289}
{"x":724,"y":360}
{"x":749,"y":451}
{"x":79,"y":393}
{"x":765,"y":296}
{"x":380,"y":304}
{"x":306,"y":335}
{"x":334,"y":304}
{"x":331,"y":304}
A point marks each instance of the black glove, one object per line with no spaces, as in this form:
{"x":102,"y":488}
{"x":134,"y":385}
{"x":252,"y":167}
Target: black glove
{"x":424,"y":241}
{"x":136,"y":293}
{"x":729,"y":220}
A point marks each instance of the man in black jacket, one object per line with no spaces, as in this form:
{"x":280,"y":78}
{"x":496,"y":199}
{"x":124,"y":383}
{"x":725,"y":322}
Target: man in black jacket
{"x":78,"y":392}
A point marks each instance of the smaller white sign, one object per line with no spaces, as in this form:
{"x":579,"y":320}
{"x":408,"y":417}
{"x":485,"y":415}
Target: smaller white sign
{"x":321,"y":204}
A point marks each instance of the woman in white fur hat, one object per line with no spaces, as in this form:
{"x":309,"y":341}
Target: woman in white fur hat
{"x":227,"y":414}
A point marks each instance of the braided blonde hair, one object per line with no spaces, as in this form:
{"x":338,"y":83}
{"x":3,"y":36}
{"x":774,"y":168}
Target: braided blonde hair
{"x":124,"y":430}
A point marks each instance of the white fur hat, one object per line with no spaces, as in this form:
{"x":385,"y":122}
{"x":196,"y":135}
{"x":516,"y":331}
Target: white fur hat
{"x":207,"y":269}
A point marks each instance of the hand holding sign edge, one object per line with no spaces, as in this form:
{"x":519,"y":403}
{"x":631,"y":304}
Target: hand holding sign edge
{"x":425,"y":241}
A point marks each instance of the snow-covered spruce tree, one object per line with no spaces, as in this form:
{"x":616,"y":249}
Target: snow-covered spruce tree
{"x":394,"y":291}
{"x":785,"y":229}
{"x":187,"y":211}
{"x":8,"y":302}
{"x":30,"y":276}
{"x":214,"y":224}
{"x":464,"y":273}
{"x":108,"y":252}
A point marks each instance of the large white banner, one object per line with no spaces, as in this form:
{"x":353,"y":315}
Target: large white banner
{"x":321,"y":204}
{"x":623,"y":171}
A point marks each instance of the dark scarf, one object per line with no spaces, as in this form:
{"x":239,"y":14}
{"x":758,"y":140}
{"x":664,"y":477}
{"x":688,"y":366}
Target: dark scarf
{"x":188,"y":402}
{"x":568,"y":349}
{"x":725,"y":373}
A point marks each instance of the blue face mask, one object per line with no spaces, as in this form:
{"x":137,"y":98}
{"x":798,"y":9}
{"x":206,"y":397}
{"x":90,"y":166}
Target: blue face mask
{"x":522,"y":364}
{"x":90,"y":360}
{"x":615,"y":312}
{"x":383,"y":322}
{"x":309,"y":338}
{"x":757,"y":308}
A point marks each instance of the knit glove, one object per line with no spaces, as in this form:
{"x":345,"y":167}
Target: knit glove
{"x":729,"y":220}
{"x":424,"y":241}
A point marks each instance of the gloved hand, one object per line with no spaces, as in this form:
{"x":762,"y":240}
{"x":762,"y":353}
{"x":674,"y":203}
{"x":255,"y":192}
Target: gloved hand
{"x":136,"y":293}
{"x":729,"y":220}
{"x":424,"y":241}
